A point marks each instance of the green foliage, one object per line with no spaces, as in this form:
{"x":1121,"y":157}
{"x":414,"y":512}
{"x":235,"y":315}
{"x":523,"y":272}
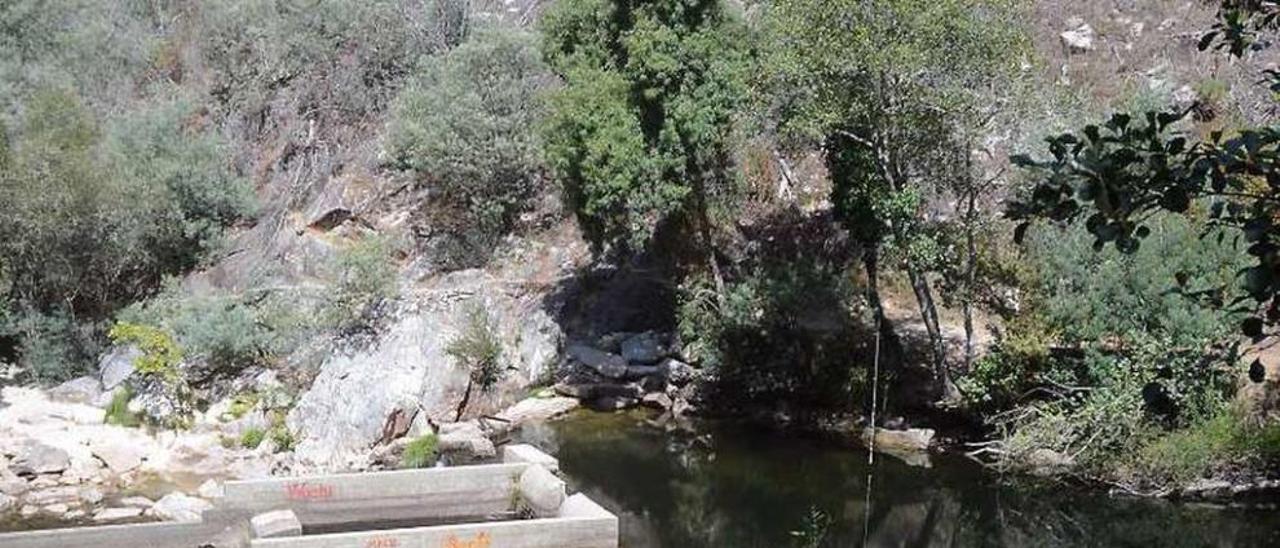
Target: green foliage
{"x":364,"y":284}
{"x":118,"y":410}
{"x":52,"y":346}
{"x":228,"y":332}
{"x":282,"y":438}
{"x":479,"y":349}
{"x":251,"y":438}
{"x":344,"y":55}
{"x":241,"y":405}
{"x":1116,"y":175}
{"x":465,"y":124}
{"x":780,"y":333}
{"x":1224,"y":441}
{"x":420,"y":453}
{"x":160,"y":353}
{"x":640,"y":133}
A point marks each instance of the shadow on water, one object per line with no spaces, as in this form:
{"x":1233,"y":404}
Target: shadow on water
{"x":733,"y":487}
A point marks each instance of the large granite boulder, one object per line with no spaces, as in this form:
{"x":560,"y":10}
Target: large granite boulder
{"x":408,"y":369}
{"x":116,"y":366}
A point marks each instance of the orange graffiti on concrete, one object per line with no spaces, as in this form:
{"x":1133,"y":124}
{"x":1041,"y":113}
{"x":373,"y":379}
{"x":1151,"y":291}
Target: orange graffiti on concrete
{"x":308,"y":491}
{"x":383,"y":542}
{"x":481,"y":541}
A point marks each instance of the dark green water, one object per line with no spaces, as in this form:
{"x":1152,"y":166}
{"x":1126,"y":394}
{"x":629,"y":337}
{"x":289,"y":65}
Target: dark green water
{"x":733,"y":487}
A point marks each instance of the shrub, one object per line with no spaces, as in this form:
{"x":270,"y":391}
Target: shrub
{"x":364,"y":283}
{"x":781,"y":332}
{"x":169,"y":399}
{"x":282,"y":438}
{"x":52,"y":347}
{"x":420,"y":453}
{"x":465,"y":125}
{"x":228,"y":332}
{"x":479,"y":350}
{"x":252,"y":438}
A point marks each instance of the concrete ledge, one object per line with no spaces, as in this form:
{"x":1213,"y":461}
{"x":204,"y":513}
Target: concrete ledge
{"x":577,"y":532}
{"x":123,"y":536}
{"x":444,"y":493}
{"x":529,"y":454}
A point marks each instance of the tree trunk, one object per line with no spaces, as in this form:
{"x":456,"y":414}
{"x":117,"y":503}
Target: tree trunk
{"x":970,"y":283}
{"x":466,"y":398}
{"x":929,"y":314}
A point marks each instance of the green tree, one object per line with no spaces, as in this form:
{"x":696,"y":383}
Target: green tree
{"x":465,"y":125}
{"x":892,"y":89}
{"x":640,"y":133}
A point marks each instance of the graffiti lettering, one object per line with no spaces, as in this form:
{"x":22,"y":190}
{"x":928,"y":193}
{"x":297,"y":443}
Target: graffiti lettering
{"x":383,"y":542}
{"x":306,"y":491}
{"x":481,"y":541}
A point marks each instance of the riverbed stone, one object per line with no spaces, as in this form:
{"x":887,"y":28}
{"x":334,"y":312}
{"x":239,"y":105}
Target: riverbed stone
{"x":54,"y":495}
{"x":78,"y":390}
{"x":465,"y":441}
{"x":119,"y":453}
{"x":611,"y":366}
{"x":1207,"y":489}
{"x":37,"y":458}
{"x":7,"y":503}
{"x":677,"y":372}
{"x":137,"y":502}
{"x":644,"y":348}
{"x":177,"y":506}
{"x":541,"y":491}
{"x":116,"y":514}
{"x":28,"y":510}
{"x":910,"y":439}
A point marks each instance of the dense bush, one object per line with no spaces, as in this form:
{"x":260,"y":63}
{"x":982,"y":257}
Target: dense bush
{"x":465,"y":125}
{"x":92,"y":218}
{"x":1136,"y":354}
{"x":781,"y":333}
{"x":225,"y":332}
{"x":641,"y":133}
{"x":363,"y":285}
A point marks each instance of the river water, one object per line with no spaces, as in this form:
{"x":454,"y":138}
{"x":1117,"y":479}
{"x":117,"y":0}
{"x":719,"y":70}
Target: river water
{"x":733,"y":487}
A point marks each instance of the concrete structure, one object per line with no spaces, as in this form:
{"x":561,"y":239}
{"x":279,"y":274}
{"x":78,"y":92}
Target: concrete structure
{"x":465,"y":507}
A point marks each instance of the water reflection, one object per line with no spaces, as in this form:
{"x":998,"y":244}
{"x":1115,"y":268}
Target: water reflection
{"x":729,"y":487}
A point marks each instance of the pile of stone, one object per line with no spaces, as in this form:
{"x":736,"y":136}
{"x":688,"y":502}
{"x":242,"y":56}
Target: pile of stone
{"x":624,"y":370}
{"x":58,"y":459}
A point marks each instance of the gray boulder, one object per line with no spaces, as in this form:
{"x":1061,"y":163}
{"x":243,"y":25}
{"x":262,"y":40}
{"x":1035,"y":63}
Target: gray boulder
{"x":179,"y":507}
{"x":117,"y":365}
{"x":678,"y":372}
{"x":78,"y":390}
{"x":465,"y":441}
{"x":541,"y":491}
{"x":645,"y":348}
{"x":116,"y":514}
{"x":1078,"y":39}
{"x":408,"y":369}
{"x":35,"y":458}
{"x":611,"y":366}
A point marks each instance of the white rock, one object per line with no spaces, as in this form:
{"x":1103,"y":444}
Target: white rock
{"x":1079,"y":39}
{"x":28,"y":511}
{"x":116,"y":514}
{"x":527,"y":453}
{"x":37,"y":458}
{"x":91,"y":495}
{"x":177,"y":506}
{"x":137,"y":502}
{"x":55,"y":509}
{"x":78,"y":390}
{"x":7,"y":503}
{"x":117,"y":365}
{"x":541,"y":491}
{"x":53,"y":495}
{"x":119,"y":453}
{"x":210,"y":489}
